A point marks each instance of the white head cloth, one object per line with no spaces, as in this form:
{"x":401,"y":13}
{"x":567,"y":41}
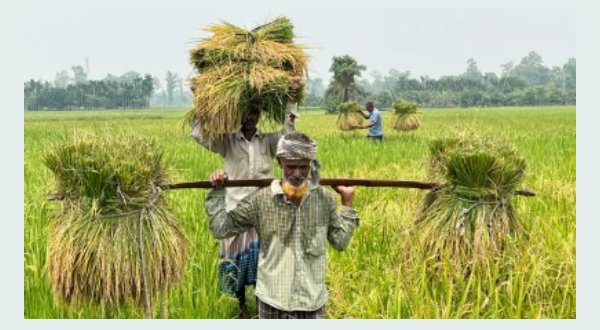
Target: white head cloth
{"x":292,"y":149}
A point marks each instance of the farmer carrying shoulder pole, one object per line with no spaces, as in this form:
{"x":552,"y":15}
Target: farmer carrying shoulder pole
{"x":294,"y":218}
{"x":248,"y":154}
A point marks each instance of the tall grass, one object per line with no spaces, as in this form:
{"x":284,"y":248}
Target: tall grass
{"x":384,"y":273}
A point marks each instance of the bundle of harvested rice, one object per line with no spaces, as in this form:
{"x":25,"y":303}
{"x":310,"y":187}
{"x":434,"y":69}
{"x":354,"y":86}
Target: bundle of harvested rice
{"x":405,"y":118}
{"x":348,"y":117}
{"x":469,"y":216}
{"x":239,"y":69}
{"x":114,"y":238}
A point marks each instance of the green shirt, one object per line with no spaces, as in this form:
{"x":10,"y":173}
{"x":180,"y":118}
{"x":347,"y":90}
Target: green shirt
{"x":291,"y":265}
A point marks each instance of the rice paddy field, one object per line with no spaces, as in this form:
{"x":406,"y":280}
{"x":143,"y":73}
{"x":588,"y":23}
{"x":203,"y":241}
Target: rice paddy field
{"x":384,"y":273}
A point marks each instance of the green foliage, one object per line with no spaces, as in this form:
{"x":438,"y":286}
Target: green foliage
{"x":530,"y":83}
{"x":313,"y":101}
{"x":79,"y":74}
{"x":472,"y":72}
{"x":91,"y":94}
{"x":532,"y":69}
{"x":343,"y":84}
{"x":331,"y":104}
{"x":383,"y":100}
{"x":316,"y":87}
{"x":171,"y":79}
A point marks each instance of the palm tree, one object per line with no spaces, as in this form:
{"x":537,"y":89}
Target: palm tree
{"x":343,"y":83}
{"x":28,"y":89}
{"x":136,"y":92}
{"x":171,"y":80}
{"x":147,"y":89}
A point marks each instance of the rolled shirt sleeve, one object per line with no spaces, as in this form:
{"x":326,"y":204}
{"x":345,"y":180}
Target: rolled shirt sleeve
{"x":216,"y":144}
{"x":341,"y":225}
{"x":224,"y":224}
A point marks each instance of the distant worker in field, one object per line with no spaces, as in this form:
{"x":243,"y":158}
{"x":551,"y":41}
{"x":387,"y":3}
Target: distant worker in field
{"x":295,"y":218}
{"x":375,"y":125}
{"x":248,"y":154}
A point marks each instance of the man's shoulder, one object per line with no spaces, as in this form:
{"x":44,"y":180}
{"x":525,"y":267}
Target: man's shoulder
{"x":325,"y":193}
{"x":261,"y":192}
{"x":228,"y":138}
{"x":377,"y":113}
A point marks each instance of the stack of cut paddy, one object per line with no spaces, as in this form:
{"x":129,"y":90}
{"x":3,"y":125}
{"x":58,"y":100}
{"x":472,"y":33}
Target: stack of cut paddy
{"x":469,"y":216}
{"x":348,"y":117}
{"x":93,"y":253}
{"x":240,"y":68}
{"x":406,"y":116}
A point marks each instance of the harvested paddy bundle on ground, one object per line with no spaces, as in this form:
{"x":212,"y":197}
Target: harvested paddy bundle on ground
{"x":469,"y":216}
{"x":348,"y":117}
{"x":405,"y":118}
{"x":239,"y":69}
{"x":114,"y":238}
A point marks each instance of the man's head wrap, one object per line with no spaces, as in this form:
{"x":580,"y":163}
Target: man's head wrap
{"x":295,"y":149}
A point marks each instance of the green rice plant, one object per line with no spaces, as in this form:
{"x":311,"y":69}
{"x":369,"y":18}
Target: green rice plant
{"x":406,"y":118}
{"x":385,"y":272}
{"x":240,"y":69}
{"x":469,"y":215}
{"x":348,"y":117}
{"x":113,"y":239}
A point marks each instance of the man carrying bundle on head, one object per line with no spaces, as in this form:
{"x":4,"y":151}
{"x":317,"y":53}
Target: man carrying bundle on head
{"x":294,"y":218}
{"x":248,"y":154}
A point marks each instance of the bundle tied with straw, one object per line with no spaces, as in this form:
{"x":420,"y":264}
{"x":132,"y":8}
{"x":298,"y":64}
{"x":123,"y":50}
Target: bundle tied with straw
{"x":239,"y":69}
{"x":470,"y":215}
{"x":348,"y":117}
{"x":405,"y":118}
{"x":113,"y":239}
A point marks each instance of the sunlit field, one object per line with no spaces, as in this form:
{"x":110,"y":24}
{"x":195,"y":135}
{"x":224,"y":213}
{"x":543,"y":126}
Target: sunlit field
{"x":384,"y":273}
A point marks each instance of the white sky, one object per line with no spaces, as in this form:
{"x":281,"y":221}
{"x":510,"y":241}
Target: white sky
{"x":432,"y":42}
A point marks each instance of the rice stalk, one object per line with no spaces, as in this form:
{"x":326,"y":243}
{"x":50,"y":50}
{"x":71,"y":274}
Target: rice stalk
{"x":95,"y":259}
{"x":469,"y":216}
{"x":94,"y":248}
{"x":240,"y":69}
{"x":348,"y":117}
{"x":405,"y":118}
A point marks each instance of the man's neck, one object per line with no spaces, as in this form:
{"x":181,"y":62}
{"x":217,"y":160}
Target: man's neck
{"x":249,"y":133}
{"x":294,"y":200}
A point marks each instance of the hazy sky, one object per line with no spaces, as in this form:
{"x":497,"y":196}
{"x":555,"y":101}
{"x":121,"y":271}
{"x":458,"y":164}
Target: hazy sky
{"x":432,"y":42}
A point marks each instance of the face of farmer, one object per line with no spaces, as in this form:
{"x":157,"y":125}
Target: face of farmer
{"x":250,"y":119}
{"x":295,"y":171}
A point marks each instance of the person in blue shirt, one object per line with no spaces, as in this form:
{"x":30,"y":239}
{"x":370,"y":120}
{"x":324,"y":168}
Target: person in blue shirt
{"x":375,"y":124}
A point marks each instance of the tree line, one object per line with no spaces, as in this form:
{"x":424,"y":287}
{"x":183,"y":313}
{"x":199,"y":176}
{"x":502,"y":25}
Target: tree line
{"x":528,"y":83}
{"x":130,"y":90}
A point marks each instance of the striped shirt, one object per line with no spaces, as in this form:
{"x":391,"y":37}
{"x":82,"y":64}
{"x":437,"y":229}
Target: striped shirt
{"x":291,"y":266}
